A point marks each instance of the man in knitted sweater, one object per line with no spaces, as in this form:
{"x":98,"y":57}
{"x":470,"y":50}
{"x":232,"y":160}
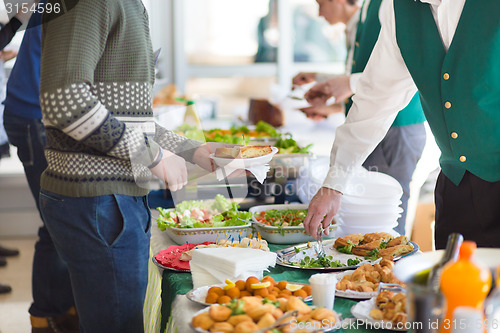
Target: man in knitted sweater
{"x":103,"y":146}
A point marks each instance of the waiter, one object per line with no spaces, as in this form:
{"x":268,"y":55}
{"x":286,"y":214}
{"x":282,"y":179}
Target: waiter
{"x":400,"y":150}
{"x":427,"y":45}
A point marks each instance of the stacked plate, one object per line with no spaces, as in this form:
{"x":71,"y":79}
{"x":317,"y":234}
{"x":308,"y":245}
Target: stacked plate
{"x":370,"y":204}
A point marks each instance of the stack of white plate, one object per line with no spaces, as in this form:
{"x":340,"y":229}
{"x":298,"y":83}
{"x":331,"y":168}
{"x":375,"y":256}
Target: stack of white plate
{"x":370,"y":204}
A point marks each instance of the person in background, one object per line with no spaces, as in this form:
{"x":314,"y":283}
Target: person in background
{"x":7,"y":32}
{"x":398,"y":153}
{"x":53,"y":308}
{"x":426,"y":45}
{"x":103,"y":148}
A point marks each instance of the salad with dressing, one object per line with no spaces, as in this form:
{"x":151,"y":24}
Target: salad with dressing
{"x":216,"y":213}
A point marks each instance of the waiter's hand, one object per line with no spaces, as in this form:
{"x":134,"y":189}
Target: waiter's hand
{"x":319,"y":113}
{"x":340,"y":87}
{"x":318,"y":94}
{"x":322,"y":208}
{"x":172,"y":170}
{"x":303,"y":78}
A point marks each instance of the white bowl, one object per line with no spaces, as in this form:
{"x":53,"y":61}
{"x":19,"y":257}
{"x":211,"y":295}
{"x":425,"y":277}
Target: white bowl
{"x":348,"y":206}
{"x":284,"y":235}
{"x":369,"y":184}
{"x":344,"y":230}
{"x":368,"y":220}
{"x":200,"y":235}
{"x":380,"y":211}
{"x":351,"y":200}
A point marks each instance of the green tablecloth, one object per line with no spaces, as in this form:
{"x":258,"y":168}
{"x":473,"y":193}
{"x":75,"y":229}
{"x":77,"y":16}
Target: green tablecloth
{"x":179,"y":283}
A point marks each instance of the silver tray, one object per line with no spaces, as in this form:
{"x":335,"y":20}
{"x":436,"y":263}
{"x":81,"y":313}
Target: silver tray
{"x":288,"y":255}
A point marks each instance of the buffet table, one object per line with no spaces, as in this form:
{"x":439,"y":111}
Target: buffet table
{"x":177,"y":310}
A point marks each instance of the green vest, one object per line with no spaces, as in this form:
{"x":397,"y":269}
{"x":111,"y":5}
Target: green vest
{"x":459,"y":89}
{"x":366,"y":37}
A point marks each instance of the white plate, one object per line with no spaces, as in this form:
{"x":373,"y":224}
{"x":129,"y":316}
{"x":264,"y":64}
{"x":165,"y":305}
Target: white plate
{"x":352,"y":294}
{"x":245,"y":162}
{"x":362,"y":310}
{"x":199,"y":295}
{"x":363,"y":211}
{"x":332,"y":329}
{"x":369,"y":184}
{"x":284,"y":235}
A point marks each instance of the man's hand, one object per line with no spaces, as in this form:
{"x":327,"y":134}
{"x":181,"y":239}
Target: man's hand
{"x":322,"y":208}
{"x":201,"y":155}
{"x":7,"y":55}
{"x":303,"y":78}
{"x":338,"y":87}
{"x":172,"y":170}
{"x":319,"y":113}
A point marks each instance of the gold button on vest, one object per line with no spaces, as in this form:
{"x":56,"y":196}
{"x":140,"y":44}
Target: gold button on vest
{"x":446,"y":76}
{"x":357,"y":44}
{"x":447,"y":105}
{"x":454,"y":135}
{"x":463,"y":158}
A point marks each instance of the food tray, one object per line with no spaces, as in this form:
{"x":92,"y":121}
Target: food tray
{"x":284,"y":235}
{"x":200,"y":235}
{"x":288,"y":255}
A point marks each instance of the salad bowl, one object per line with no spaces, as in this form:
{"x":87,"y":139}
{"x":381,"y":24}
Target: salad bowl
{"x":197,"y":221}
{"x":279,"y":234}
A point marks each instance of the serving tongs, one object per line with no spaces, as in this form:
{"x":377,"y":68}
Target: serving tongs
{"x":320,"y":250}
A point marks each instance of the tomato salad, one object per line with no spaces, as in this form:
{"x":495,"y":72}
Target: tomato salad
{"x":282,"y":218}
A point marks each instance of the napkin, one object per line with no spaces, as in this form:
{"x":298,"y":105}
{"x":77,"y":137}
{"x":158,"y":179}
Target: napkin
{"x":214,"y":265}
{"x":259,"y":171}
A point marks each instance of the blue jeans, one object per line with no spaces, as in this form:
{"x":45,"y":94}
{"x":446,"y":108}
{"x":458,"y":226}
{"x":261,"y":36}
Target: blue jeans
{"x":105,"y":242}
{"x":51,"y":286}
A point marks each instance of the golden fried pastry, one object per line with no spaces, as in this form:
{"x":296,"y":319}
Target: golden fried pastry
{"x":377,"y":314}
{"x":258,"y":312}
{"x":362,"y":250}
{"x":235,"y":320}
{"x":321,"y":313}
{"x":394,"y":251}
{"x":354,"y":238}
{"x":384,"y":236}
{"x":266,"y":320}
{"x":246,"y":327}
{"x":295,"y":303}
{"x":219,"y":312}
{"x":202,"y":321}
{"x":223,"y":327}
{"x":401,"y":240}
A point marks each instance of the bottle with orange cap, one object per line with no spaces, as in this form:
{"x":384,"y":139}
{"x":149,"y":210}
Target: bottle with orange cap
{"x":492,"y":307}
{"x":464,"y":283}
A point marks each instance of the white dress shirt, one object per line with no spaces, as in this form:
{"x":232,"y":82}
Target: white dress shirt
{"x":384,"y":88}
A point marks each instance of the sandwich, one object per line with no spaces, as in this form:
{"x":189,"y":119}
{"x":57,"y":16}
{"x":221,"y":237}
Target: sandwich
{"x":243,"y":152}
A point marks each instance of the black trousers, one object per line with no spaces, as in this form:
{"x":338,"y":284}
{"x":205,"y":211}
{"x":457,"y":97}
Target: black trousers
{"x":472,"y":208}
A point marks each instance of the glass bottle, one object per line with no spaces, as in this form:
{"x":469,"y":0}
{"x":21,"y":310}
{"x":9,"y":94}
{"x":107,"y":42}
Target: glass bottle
{"x":191,"y":116}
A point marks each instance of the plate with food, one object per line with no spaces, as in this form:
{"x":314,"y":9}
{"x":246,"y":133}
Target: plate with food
{"x":177,"y":257}
{"x":246,"y":156}
{"x":385,"y":311}
{"x":347,"y":252}
{"x":364,"y":281}
{"x":198,"y":221}
{"x":283,"y":224}
{"x":255,"y":314}
{"x":267,"y":287}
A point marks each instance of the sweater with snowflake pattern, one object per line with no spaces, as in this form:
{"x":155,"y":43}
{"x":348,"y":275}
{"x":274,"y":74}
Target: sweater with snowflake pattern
{"x":97,"y":74}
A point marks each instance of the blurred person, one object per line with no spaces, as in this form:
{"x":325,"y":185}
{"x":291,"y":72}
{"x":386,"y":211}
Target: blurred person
{"x":398,"y":153}
{"x":103,"y":148}
{"x":426,"y":45}
{"x":7,"y":32}
{"x":53,"y":308}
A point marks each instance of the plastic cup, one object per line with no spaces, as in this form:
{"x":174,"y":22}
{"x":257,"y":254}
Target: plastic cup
{"x":323,"y":289}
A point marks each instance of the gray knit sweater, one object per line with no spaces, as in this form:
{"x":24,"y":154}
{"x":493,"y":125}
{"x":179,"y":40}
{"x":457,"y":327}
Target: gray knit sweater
{"x":97,"y":74}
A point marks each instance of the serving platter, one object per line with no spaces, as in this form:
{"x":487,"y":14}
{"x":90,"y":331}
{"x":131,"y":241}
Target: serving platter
{"x":198,"y":295}
{"x":169,"y":258}
{"x":289,"y":255}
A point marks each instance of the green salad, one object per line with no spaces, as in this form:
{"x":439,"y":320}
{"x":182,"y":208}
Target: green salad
{"x":282,"y":218}
{"x":203,"y":214}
